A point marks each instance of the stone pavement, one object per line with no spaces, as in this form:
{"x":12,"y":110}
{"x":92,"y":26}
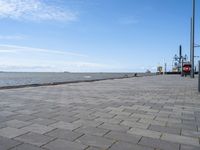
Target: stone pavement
{"x":144,"y":113}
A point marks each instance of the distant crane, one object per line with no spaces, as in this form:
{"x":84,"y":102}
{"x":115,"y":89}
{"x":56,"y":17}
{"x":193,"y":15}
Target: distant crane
{"x":178,"y":60}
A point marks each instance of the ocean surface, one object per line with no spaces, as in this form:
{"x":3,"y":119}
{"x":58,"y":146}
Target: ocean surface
{"x":8,"y":79}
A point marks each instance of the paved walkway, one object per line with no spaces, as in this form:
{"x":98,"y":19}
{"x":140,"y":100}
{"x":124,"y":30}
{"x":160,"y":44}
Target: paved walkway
{"x":145,"y":113}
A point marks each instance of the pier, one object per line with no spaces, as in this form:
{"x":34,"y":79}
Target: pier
{"x":142,"y":113}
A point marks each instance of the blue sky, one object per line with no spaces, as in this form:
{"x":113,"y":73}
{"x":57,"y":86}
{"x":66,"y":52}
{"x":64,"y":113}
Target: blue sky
{"x":93,"y":35}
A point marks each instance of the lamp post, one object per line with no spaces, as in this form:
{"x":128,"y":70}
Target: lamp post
{"x":191,"y":46}
{"x":199,"y":78}
{"x":192,"y":40}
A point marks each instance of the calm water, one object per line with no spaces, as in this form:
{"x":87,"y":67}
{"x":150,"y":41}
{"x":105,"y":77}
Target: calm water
{"x":15,"y":79}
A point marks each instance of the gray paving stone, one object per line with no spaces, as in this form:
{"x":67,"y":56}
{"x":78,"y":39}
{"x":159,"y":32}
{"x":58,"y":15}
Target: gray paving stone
{"x":127,"y":146}
{"x":128,"y":118}
{"x":11,"y":132}
{"x":88,"y":123}
{"x":26,"y":147}
{"x":145,"y":133}
{"x":114,"y":127}
{"x":104,"y":115}
{"x":65,"y":125}
{"x":189,"y":147}
{"x":5,"y":113}
{"x":95,"y":141}
{"x":64,"y":145}
{"x":143,"y":116}
{"x":92,"y":131}
{"x":182,"y":126}
{"x":161,"y":101}
{"x":169,"y":120}
{"x":153,"y":122}
{"x":120,"y":136}
{"x":119,"y":112}
{"x":190,"y":133}
{"x":26,"y":112}
{"x":64,"y":134}
{"x":23,"y":117}
{"x":67,"y":112}
{"x":180,"y":139}
{"x":3,"y":125}
{"x":93,"y":148}
{"x":65,"y":118}
{"x":37,"y":128}
{"x":43,"y":121}
{"x":159,"y":144}
{"x":46,"y":115}
{"x":34,"y":139}
{"x":164,"y":129}
{"x":86,"y":116}
{"x":135,"y":124}
{"x":134,"y":110}
{"x":16,"y":123}
{"x":110,"y":121}
{"x":6,"y":143}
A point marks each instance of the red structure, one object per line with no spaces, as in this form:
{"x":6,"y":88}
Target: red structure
{"x":186,"y":69}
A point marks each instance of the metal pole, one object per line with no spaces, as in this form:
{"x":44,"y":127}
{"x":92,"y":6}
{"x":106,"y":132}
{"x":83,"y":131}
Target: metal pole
{"x":193,"y":40}
{"x":180,"y":53}
{"x":182,"y":67}
{"x":191,"y":44}
{"x":199,"y":78}
{"x":180,"y":59}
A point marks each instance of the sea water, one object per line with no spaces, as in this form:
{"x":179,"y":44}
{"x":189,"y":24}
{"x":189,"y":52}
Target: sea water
{"x":29,"y":78}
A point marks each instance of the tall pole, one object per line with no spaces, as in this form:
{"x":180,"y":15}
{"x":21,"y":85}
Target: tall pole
{"x":193,"y":40}
{"x":199,"y":78}
{"x":180,"y":53}
{"x":182,"y":67}
{"x":180,"y":59}
{"x":191,"y":49}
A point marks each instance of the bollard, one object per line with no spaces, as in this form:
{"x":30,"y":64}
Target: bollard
{"x":199,"y":78}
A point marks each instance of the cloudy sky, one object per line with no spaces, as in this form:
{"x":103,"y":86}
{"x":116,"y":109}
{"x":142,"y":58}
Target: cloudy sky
{"x":93,"y":35}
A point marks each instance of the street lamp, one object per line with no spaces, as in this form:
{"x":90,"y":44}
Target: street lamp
{"x":192,"y":40}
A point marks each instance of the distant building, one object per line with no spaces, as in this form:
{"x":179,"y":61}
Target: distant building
{"x":160,"y":69}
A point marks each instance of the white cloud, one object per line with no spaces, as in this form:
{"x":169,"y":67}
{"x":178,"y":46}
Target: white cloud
{"x":84,"y":64}
{"x":16,"y":48}
{"x":7,"y":51}
{"x":67,"y":66}
{"x":20,"y":58}
{"x":34,"y":10}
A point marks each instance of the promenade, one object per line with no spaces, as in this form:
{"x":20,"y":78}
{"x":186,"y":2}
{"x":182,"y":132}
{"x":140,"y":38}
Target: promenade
{"x":141,"y":113}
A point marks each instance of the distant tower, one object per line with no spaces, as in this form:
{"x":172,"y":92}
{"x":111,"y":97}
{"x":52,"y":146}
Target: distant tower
{"x":165,"y":68}
{"x":178,"y":60}
{"x":180,"y":54}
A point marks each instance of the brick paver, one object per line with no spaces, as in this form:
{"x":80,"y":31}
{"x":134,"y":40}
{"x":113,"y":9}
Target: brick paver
{"x":155,"y":112}
{"x":64,"y":134}
{"x":34,"y":139}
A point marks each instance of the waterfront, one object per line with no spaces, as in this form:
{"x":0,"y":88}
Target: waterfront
{"x":9,"y":79}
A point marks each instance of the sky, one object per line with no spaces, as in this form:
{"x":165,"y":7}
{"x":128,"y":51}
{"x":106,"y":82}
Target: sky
{"x":94,"y":35}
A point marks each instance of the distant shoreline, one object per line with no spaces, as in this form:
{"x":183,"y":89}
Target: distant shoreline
{"x":58,"y":83}
{"x":82,"y":77}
